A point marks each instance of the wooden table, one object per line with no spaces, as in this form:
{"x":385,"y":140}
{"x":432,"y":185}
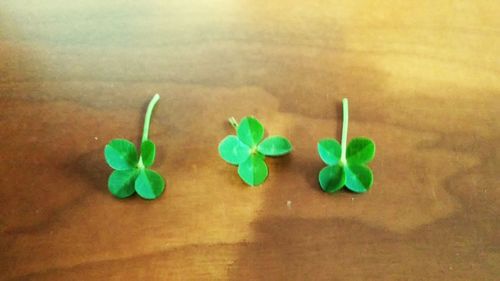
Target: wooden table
{"x":423,"y":81}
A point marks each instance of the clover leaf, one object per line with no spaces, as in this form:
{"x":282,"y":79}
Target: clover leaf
{"x":346,"y":163}
{"x":248,"y":150}
{"x":132,"y":173}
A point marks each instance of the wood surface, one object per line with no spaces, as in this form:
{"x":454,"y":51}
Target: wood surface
{"x":423,"y":81}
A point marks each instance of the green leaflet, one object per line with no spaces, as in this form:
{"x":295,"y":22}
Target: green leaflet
{"x":233,"y":150}
{"x":275,"y":146}
{"x":149,"y":184}
{"x":254,"y":170}
{"x":332,"y":178}
{"x":148,"y":153}
{"x":121,"y":183}
{"x":131,"y":173}
{"x":248,"y":151}
{"x":359,"y":178}
{"x":346,"y":163}
{"x":329,"y":150}
{"x":250,"y":131}
{"x":121,"y":154}
{"x":360,"y":151}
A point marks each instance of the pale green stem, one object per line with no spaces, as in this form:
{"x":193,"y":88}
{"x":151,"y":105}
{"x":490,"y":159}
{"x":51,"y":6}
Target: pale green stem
{"x":147,"y":119}
{"x":147,"y":122}
{"x":345,"y":122}
{"x":233,"y":122}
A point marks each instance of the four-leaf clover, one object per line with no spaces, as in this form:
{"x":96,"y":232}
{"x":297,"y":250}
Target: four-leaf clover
{"x":346,"y":163}
{"x":247,"y":149}
{"x":132,"y":173}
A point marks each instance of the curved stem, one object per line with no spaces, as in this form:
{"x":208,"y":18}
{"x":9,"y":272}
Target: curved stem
{"x":345,"y":123}
{"x":147,"y":119}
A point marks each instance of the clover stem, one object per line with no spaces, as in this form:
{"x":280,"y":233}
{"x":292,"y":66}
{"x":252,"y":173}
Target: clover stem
{"x":233,"y":122}
{"x":147,"y":119}
{"x":345,"y":122}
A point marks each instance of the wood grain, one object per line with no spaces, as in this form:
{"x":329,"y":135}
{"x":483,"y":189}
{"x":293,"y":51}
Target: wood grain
{"x":422,"y":79}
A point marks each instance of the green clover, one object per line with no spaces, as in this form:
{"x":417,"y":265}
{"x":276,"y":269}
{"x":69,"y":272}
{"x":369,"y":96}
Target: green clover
{"x":247,"y":150}
{"x":131,"y":170}
{"x":346,"y":163}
